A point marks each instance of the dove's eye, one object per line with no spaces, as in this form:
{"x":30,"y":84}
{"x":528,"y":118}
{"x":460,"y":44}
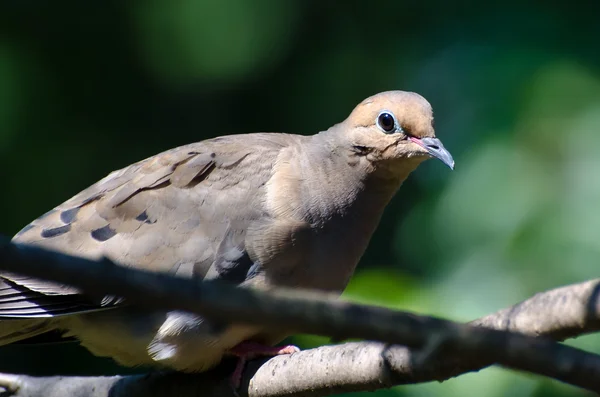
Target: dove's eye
{"x":386,"y":122}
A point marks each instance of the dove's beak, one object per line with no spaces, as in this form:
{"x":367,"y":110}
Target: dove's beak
{"x":436,"y":149}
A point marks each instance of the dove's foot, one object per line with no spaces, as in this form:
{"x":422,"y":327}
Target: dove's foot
{"x":251,"y":350}
{"x":248,"y":350}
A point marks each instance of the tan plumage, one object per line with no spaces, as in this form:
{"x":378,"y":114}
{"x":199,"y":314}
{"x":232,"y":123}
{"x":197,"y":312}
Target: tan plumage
{"x":259,"y":210}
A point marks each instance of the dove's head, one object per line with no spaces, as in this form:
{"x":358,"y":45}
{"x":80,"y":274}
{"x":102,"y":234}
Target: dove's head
{"x":395,"y":128}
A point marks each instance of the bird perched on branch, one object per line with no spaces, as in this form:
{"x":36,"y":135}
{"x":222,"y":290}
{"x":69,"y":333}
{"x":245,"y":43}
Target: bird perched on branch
{"x":259,"y":210}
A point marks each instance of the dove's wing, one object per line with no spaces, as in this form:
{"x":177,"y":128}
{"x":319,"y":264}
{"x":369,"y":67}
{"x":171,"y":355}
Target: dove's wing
{"x":184,"y":211}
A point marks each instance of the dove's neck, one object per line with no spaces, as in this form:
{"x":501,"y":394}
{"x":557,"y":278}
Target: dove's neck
{"x":340,"y":184}
{"x":339,"y":196}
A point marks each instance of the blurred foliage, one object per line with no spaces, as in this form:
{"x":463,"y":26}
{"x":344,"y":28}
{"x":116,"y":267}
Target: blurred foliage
{"x":88,"y":87}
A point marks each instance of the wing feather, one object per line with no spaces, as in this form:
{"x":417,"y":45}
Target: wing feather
{"x":168,"y":213}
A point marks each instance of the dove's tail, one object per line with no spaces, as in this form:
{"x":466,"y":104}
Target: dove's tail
{"x":14,"y":330}
{"x":20,"y":317}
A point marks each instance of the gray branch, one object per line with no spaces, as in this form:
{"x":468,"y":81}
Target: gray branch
{"x":434,"y":349}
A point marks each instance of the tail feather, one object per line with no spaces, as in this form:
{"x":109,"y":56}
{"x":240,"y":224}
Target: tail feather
{"x":15,"y":330}
{"x":18,"y":302}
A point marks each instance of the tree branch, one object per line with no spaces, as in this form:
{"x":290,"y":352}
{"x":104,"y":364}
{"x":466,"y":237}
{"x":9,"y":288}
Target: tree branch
{"x":350,"y":367}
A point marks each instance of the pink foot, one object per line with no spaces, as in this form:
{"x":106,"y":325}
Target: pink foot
{"x":236,"y":376}
{"x":250,"y":350}
{"x":253,"y":349}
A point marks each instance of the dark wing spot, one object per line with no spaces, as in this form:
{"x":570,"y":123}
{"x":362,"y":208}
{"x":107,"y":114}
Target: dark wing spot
{"x":201,"y":176}
{"x":91,"y":199}
{"x":68,"y":216}
{"x":138,"y":191}
{"x":55,"y":232}
{"x":143,"y":217}
{"x":103,"y":233}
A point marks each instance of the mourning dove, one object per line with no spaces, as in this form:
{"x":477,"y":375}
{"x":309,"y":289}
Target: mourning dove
{"x":259,"y":210}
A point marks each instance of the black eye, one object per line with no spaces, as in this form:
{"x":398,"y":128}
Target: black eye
{"x":386,"y":122}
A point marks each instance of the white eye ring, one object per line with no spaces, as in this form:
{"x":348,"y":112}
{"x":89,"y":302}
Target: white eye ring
{"x":386,"y":121}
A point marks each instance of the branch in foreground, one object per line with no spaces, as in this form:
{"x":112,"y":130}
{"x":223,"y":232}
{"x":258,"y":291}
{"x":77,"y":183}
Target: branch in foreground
{"x":563,"y":312}
{"x":311,"y":314}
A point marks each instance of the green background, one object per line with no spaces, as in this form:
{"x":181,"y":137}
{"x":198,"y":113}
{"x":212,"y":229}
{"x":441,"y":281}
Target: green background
{"x":88,"y":87}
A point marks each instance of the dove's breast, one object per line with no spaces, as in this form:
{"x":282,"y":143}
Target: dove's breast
{"x":323,"y":211}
